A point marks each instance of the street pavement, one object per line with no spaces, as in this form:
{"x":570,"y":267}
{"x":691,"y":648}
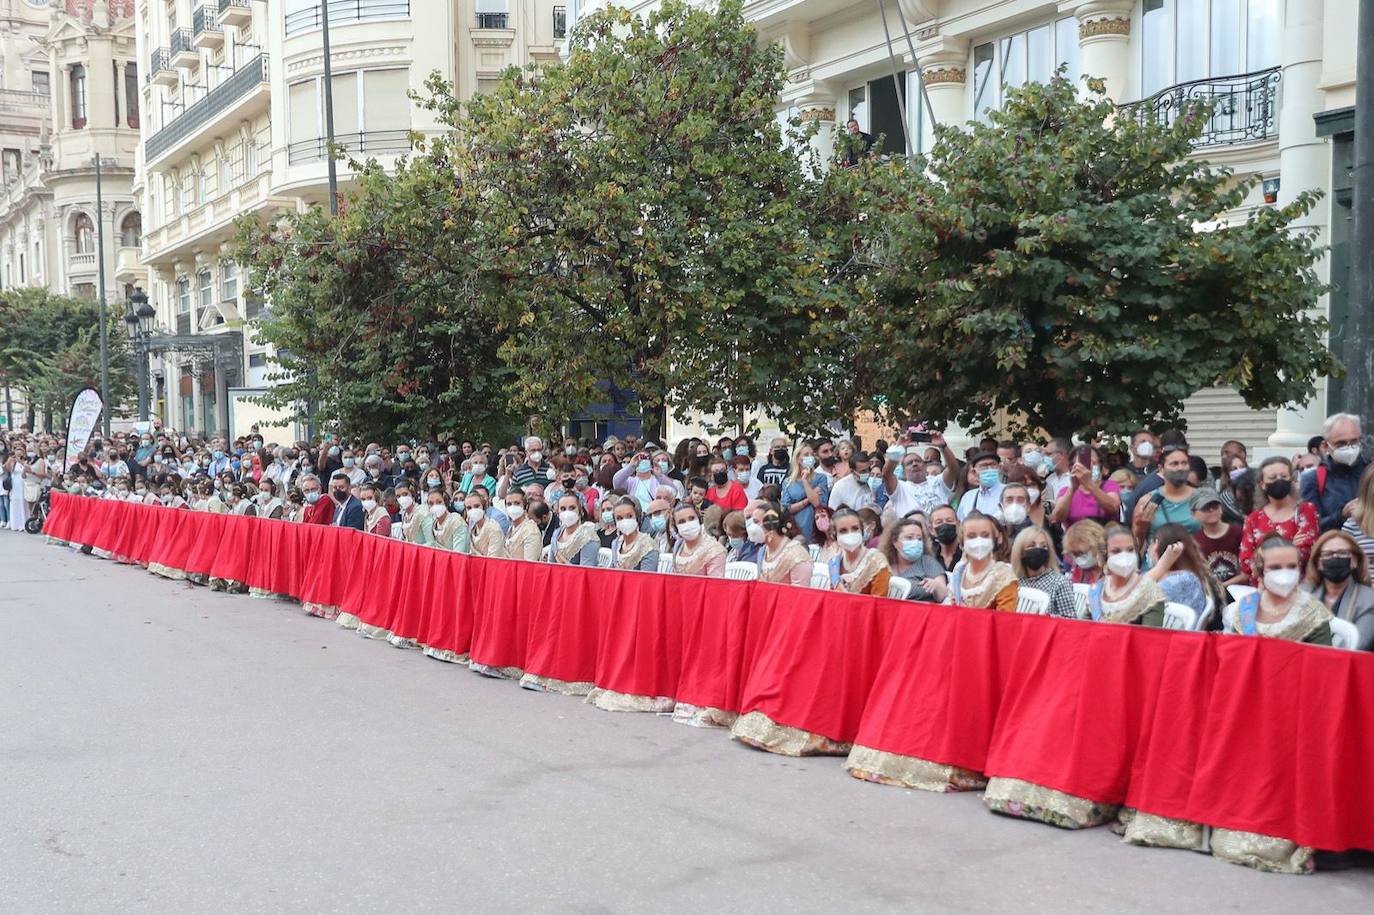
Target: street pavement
{"x":164,"y":748}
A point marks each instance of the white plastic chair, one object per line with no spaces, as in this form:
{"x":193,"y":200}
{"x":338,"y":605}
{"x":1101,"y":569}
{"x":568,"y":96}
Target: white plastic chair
{"x":898,"y":588}
{"x":742,"y":571}
{"x":1228,"y":616}
{"x":546,"y":553}
{"x":1179,"y":616}
{"x":1032,"y":600}
{"x":665,"y":562}
{"x":603,"y":558}
{"x":1081,"y":592}
{"x":815,"y":551}
{"x":1237,"y":592}
{"x":1206,"y":613}
{"x":1344,"y":634}
{"x":820,"y":578}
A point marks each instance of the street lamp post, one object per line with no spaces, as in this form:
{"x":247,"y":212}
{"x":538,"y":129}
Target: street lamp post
{"x":100,"y":271}
{"x":140,"y":325}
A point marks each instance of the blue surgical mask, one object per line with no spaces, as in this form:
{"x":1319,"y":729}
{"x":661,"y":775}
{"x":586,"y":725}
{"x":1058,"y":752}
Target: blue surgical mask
{"x":219,"y":455}
{"x":658,"y":524}
{"x":989,"y":478}
{"x":643,"y":467}
{"x":736,"y":543}
{"x":898,"y":471}
{"x":608,"y":518}
{"x":808,"y":462}
{"x":741,"y":451}
{"x":234,"y":465}
{"x":913,"y":550}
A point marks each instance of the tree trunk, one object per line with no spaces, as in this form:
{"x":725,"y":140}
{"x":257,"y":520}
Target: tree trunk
{"x":652,"y":423}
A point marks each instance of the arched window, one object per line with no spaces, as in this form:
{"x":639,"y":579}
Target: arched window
{"x":78,"y":96}
{"x":84,"y":230}
{"x":131,"y":230}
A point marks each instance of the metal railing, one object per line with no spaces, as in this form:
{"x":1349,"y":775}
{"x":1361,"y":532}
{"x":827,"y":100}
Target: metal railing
{"x":344,"y":11}
{"x":1245,"y":108}
{"x":493,"y":20}
{"x":205,"y":19}
{"x":372,"y":143}
{"x":560,"y":22}
{"x":161,"y":60}
{"x":224,"y":5}
{"x":215,"y":102}
{"x":181,"y":43}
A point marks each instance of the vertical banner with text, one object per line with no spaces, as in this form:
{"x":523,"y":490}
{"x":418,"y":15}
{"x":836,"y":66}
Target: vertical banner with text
{"x":85,"y":414}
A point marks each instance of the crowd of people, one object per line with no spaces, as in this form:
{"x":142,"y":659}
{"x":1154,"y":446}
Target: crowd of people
{"x":1278,"y":549}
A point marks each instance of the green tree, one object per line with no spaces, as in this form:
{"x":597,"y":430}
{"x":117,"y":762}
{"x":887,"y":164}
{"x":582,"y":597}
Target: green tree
{"x":375,"y":313}
{"x":1070,"y":266}
{"x":641,"y":219}
{"x":50,"y":350}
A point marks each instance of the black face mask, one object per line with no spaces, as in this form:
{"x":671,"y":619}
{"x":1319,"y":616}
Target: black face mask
{"x":341,"y":495}
{"x":780,"y":456}
{"x":1336,"y":569}
{"x":946,"y":533}
{"x":829,"y":460}
{"x":1036,"y":557}
{"x":1175,"y":477}
{"x":720,"y":477}
{"x":569,"y":485}
{"x":1278,"y":489}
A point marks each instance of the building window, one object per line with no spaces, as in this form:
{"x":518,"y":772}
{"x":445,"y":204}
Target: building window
{"x":367,"y":119}
{"x":183,"y":296}
{"x":131,"y":230}
{"x":229,"y":281}
{"x":875,"y":106}
{"x":84,"y":291}
{"x":41,"y":83}
{"x":131,"y":93}
{"x":78,"y":96}
{"x":23,"y":278}
{"x":37,"y":258}
{"x":13,"y":165}
{"x":304,"y":15}
{"x":492,"y":14}
{"x":84,"y":230}
{"x":257,"y":360}
{"x":560,"y":22}
{"x":207,"y":288}
{"x":1186,"y":40}
{"x":1032,"y":56}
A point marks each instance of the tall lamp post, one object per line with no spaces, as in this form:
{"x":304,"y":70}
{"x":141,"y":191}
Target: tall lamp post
{"x":100,"y":261}
{"x":140,"y":324}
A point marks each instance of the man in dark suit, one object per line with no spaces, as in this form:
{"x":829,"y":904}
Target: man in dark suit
{"x":348,"y":511}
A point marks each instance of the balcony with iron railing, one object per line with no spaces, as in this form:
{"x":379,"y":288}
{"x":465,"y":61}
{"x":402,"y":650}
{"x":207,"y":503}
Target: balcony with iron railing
{"x":248,"y":81}
{"x":235,"y":12}
{"x":343,"y":12}
{"x":160,"y":70}
{"x":183,"y":49}
{"x":493,"y":20}
{"x":372,"y":143}
{"x":205,"y":28}
{"x":1245,"y":108}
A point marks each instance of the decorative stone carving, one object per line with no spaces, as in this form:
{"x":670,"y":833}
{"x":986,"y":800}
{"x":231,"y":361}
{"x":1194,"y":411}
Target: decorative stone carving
{"x":937,"y":76}
{"x":1095,"y":28}
{"x":812,"y":115}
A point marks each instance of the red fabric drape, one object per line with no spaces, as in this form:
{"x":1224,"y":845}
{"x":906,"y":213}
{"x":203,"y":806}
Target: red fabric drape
{"x":1247,"y":733}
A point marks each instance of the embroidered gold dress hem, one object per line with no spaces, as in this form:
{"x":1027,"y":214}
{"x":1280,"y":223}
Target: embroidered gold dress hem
{"x":758,"y":730}
{"x":608,"y":700}
{"x":1151,"y":830}
{"x":368,"y":631}
{"x":910,"y":772}
{"x":550,"y":685}
{"x":1017,"y":798}
{"x":347,"y":620}
{"x":504,"y":673}
{"x":323,"y":611}
{"x":1264,"y":853}
{"x":443,"y":654}
{"x":264,"y":594}
{"x":703,"y":716}
{"x":158,"y":568}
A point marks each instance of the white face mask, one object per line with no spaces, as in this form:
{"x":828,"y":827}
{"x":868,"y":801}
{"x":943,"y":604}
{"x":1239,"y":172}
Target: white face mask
{"x":1085,"y":561}
{"x":1014,"y":513}
{"x":689,"y":530}
{"x":476,"y":514}
{"x":515,"y":512}
{"x":369,"y":504}
{"x":1145,"y":449}
{"x":978,"y":547}
{"x":1034,"y":493}
{"x":479,"y":470}
{"x":405,"y":502}
{"x":568,"y":518}
{"x":850,"y":540}
{"x":536,"y":456}
{"x":1346,"y":454}
{"x":1123,"y":564}
{"x":1281,"y":581}
{"x":754,"y":531}
{"x":264,"y":497}
{"x":626,"y":526}
{"x":437,"y":510}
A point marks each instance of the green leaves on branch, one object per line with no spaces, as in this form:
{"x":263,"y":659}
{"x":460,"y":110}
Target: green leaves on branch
{"x":50,"y":349}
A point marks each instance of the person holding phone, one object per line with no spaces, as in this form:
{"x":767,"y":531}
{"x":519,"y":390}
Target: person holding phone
{"x":909,"y":487}
{"x":1090,"y":494}
{"x":1172,"y":503}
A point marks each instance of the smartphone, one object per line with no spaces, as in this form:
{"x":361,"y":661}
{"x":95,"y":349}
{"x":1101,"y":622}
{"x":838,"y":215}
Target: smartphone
{"x":918,"y":434}
{"x":1157,"y":497}
{"x":510,"y":460}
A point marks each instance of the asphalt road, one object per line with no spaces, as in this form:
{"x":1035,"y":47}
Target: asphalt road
{"x":168,"y":749}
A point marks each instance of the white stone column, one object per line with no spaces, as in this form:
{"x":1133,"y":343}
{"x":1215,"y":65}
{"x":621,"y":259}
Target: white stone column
{"x":1304,"y":164}
{"x":944,"y":71}
{"x":816,"y":105}
{"x":1104,"y":44}
{"x":197,"y":403}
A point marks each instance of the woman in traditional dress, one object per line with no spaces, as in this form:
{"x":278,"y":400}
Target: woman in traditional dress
{"x":632,"y":547}
{"x":375,"y":517}
{"x":414,"y":520}
{"x":447,"y":529}
{"x":695,"y":553}
{"x":906,"y":544}
{"x":782,"y":559}
{"x":1126,"y":596}
{"x":237,"y":500}
{"x":270,"y":504}
{"x":484,"y":532}
{"x":575,"y":541}
{"x":855,"y":568}
{"x":524,"y":540}
{"x":983,"y":581}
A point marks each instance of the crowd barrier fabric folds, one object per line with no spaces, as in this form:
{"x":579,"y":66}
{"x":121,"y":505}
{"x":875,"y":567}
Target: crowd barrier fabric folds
{"x":1245,"y":733}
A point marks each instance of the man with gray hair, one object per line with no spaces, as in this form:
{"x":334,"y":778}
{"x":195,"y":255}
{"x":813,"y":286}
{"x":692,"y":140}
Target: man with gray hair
{"x":534,"y":469}
{"x":1333,"y":484}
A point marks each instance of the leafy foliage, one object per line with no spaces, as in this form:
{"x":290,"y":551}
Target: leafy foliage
{"x":1071,"y":267}
{"x":51,"y":349}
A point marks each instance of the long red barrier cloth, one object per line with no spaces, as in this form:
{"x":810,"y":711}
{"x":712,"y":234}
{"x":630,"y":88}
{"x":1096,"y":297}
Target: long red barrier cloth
{"x":1246,"y":733}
